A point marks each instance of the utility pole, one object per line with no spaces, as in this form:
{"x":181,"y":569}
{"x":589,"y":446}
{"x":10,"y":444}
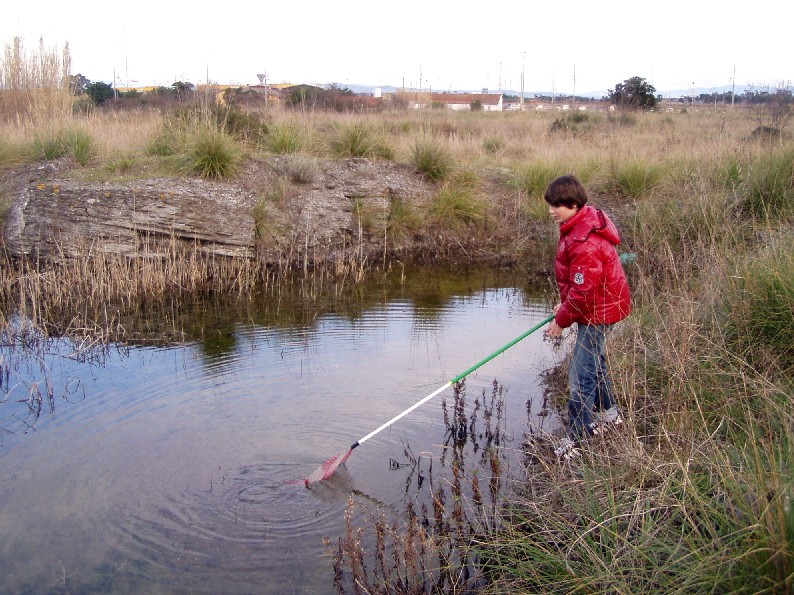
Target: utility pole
{"x":574,"y":85}
{"x":733,"y":86}
{"x":523,"y":60}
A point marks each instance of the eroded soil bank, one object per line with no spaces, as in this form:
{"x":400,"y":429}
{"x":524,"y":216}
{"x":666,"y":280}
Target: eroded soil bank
{"x":279,"y":210}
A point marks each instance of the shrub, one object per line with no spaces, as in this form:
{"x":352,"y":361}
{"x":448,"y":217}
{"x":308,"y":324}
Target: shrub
{"x":249,"y":127}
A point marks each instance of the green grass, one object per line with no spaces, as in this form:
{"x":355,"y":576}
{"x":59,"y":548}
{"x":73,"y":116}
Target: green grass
{"x":353,"y":140}
{"x":286,"y":138}
{"x":634,"y":178}
{"x":403,"y":220}
{"x":770,"y":191}
{"x":15,"y":153}
{"x":458,"y":202}
{"x":534,"y":178}
{"x":212,"y":154}
{"x":169,"y":141}
{"x":431,"y":159}
{"x":760,"y":308}
{"x":72,"y":142}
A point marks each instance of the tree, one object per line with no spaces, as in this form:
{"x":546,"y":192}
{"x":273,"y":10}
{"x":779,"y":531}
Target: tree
{"x":183,"y":89}
{"x":78,"y":84}
{"x":635,"y":93}
{"x":99,"y":92}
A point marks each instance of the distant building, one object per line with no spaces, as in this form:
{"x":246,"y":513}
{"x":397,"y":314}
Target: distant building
{"x":489,"y":102}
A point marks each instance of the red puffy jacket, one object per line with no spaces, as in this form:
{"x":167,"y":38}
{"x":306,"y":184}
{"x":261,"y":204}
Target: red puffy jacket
{"x":590,"y":276}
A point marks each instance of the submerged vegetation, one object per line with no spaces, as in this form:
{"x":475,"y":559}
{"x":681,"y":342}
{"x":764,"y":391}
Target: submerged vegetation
{"x":695,"y":495}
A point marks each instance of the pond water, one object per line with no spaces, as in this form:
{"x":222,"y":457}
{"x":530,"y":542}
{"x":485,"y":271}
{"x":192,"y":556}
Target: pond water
{"x":170,"y":468}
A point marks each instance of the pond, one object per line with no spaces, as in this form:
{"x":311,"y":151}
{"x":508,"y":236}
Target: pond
{"x":171,"y":467}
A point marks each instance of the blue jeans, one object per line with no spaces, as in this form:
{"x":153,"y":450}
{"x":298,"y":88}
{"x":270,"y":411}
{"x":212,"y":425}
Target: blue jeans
{"x":588,"y":377}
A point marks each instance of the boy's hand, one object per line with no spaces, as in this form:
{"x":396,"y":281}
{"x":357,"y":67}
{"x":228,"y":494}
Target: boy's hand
{"x":554,"y":330}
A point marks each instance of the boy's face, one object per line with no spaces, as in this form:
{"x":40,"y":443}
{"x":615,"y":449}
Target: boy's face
{"x":562,"y":213}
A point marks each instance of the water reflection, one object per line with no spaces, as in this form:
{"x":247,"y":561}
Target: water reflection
{"x":166,"y":466}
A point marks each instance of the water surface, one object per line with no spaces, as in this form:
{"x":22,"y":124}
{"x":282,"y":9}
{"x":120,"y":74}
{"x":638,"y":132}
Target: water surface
{"x":168,"y":468}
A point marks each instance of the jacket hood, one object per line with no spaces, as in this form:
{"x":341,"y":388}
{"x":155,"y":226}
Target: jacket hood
{"x":590,"y":220}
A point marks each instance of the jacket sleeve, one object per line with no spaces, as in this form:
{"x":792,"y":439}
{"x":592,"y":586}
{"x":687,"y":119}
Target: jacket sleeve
{"x":585,"y":273}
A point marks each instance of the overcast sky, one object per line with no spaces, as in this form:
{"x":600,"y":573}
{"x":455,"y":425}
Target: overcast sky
{"x":586,"y":47}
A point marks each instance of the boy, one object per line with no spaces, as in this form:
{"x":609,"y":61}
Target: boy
{"x":595,"y":295}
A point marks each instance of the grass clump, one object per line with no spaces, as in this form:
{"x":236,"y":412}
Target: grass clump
{"x":12,"y":153}
{"x":760,"y":309}
{"x":770,"y":191}
{"x":245,"y":127}
{"x":534,"y":178}
{"x":71,"y":142}
{"x":431,"y":159}
{"x":532,"y":181}
{"x":634,"y":178}
{"x":286,"y":138}
{"x":170,"y":140}
{"x":458,"y":202}
{"x":264,"y":223}
{"x":403,"y":220}
{"x":353,"y":140}
{"x":299,"y":169}
{"x":212,"y":154}
{"x":493,"y":145}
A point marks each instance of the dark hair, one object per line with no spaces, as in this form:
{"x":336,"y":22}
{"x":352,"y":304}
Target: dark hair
{"x":566,"y":191}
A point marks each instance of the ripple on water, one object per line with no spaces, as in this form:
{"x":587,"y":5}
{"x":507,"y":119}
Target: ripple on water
{"x":254,"y":525}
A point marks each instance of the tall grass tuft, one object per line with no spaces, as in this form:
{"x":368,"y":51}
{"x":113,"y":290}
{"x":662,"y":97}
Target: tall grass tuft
{"x":760,"y":308}
{"x":285,"y":138}
{"x":402,"y":220}
{"x":73,"y":142}
{"x":212,"y":154}
{"x":35,"y":86}
{"x":770,"y":191}
{"x":634,"y":178}
{"x":353,"y":140}
{"x":430,"y":158}
{"x":532,"y":180}
{"x":535,"y":177}
{"x":457,"y":202}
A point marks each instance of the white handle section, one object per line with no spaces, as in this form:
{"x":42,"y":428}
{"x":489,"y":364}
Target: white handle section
{"x":406,"y":412}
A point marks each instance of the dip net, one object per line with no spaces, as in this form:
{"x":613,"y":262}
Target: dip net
{"x":327,"y":469}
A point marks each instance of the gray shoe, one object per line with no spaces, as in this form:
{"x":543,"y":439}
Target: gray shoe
{"x":606,"y":419}
{"x":567,"y":449}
